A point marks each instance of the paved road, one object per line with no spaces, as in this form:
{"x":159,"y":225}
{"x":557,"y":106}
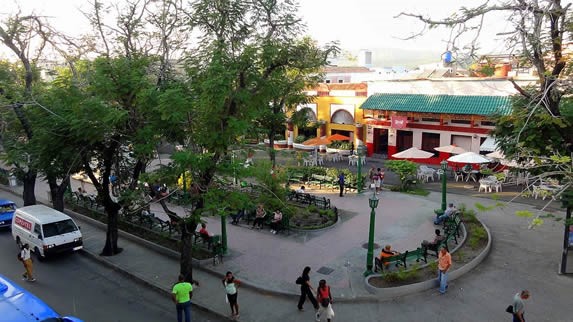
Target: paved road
{"x":76,"y":285}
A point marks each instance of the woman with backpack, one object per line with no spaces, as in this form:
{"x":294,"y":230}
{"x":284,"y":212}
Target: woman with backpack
{"x":325,"y":299}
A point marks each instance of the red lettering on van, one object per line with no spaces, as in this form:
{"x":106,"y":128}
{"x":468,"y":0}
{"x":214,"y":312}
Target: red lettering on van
{"x":23,"y":223}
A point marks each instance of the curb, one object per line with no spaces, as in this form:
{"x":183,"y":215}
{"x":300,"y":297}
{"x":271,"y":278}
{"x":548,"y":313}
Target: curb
{"x":142,"y":280}
{"x":392,"y":292}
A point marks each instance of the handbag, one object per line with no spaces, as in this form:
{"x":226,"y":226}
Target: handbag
{"x":509,"y":309}
{"x":372,"y":185}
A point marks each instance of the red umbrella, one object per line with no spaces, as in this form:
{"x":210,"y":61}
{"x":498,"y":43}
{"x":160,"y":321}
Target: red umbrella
{"x":338,"y":137}
{"x":317,"y":141}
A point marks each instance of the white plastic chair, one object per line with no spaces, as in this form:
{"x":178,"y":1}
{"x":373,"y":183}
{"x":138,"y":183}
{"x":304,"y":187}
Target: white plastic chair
{"x":484,"y":185}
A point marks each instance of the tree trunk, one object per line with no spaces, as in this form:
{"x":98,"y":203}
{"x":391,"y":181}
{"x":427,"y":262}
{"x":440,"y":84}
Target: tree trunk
{"x":186,"y":261}
{"x":29,"y":181}
{"x":111,"y":235}
{"x":272,"y":154}
{"x":563,"y":269}
{"x":57,"y":192}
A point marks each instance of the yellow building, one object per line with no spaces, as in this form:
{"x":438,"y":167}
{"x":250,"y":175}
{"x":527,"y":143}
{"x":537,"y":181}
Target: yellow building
{"x":335,"y":110}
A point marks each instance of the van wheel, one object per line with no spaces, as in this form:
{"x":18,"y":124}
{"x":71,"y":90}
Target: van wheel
{"x":38,"y":254}
{"x":19,"y":243}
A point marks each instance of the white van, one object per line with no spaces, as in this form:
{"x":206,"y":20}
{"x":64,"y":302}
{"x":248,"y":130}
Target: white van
{"x":46,"y":230}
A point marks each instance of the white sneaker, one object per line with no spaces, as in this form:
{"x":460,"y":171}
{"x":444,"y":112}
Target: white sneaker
{"x":317,"y":317}
{"x":274,"y":232}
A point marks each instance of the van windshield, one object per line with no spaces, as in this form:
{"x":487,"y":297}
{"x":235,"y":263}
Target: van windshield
{"x":59,"y":228}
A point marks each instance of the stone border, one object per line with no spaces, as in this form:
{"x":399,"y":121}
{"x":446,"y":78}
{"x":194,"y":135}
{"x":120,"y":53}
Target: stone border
{"x":392,"y":292}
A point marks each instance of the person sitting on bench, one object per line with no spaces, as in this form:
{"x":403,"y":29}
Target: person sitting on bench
{"x":449,"y":211}
{"x":386,"y":252}
{"x":205,"y":235}
{"x":300,"y":190}
{"x":434,"y":244}
{"x":236,"y":217}
{"x":276,"y":222}
{"x":259,"y":217}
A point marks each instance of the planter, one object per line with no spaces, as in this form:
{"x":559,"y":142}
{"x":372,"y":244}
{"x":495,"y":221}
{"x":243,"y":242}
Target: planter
{"x":392,"y":292}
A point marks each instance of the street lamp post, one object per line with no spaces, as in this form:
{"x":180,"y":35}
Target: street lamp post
{"x":224,"y":232}
{"x":360,"y":151}
{"x":444,"y":165}
{"x":234,"y":171}
{"x":373,"y":203}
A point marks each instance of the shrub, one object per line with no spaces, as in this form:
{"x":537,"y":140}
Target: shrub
{"x":478,"y":235}
{"x":300,"y":139}
{"x":405,"y":171}
{"x":402,"y":274}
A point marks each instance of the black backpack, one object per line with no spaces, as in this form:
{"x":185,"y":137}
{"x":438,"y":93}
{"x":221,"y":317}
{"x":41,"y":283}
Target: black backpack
{"x":299,"y":280}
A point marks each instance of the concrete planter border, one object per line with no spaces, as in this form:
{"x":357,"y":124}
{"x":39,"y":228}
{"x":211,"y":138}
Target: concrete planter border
{"x":392,"y":292}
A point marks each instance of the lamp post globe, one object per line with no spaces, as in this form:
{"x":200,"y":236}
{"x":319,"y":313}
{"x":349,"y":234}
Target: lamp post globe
{"x":373,"y":203}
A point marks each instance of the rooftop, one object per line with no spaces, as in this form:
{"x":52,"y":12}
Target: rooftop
{"x":441,"y":104}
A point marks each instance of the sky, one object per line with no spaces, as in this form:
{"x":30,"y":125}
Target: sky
{"x":356,"y":24}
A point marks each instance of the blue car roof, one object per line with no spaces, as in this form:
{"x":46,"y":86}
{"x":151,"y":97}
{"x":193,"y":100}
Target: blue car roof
{"x":19,"y":305}
{"x":6,"y":202}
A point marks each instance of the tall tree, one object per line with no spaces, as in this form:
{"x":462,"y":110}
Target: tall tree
{"x":243,"y":44}
{"x":124,"y":86}
{"x":541,"y":122}
{"x":285,"y":86}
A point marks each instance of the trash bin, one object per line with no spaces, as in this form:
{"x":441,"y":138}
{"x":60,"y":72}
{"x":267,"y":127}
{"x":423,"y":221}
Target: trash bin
{"x":12,"y":181}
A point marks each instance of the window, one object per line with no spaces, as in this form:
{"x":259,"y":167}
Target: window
{"x":342,"y":117}
{"x":460,"y":122}
{"x":37,"y":231}
{"x":487,"y":123}
{"x":340,"y":81}
{"x":430,"y":141}
{"x":327,"y":81}
{"x":430,"y":120}
{"x":59,"y":228}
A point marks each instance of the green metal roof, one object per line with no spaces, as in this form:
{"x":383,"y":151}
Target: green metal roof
{"x":447,"y":104}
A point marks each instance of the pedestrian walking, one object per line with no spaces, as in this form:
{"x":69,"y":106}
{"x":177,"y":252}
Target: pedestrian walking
{"x":325,"y":299}
{"x":231,"y":285}
{"x":25,"y":257}
{"x":181,"y":295}
{"x":341,"y":183}
{"x":519,"y":306}
{"x":306,"y":290}
{"x":444,"y":264}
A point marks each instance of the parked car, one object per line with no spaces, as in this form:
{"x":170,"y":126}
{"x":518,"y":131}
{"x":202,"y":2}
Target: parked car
{"x":7,"y":209}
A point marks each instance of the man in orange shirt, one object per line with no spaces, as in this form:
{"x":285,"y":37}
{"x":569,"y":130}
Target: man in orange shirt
{"x":386,"y":252}
{"x":444,"y":264}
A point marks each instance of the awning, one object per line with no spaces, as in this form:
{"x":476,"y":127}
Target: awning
{"x":489,"y":145}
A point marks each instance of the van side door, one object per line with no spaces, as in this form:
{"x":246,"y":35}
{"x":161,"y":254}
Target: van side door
{"x":36,"y":237}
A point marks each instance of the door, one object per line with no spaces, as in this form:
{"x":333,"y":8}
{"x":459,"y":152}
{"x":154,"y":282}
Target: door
{"x":404,"y":140}
{"x":35,"y":239}
{"x":380,"y":141}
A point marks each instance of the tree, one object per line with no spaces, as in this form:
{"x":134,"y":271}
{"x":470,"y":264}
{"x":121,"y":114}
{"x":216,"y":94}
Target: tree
{"x":285,"y":87}
{"x":404,"y":169}
{"x":243,"y":45}
{"x":541,"y":122}
{"x":122,"y":90}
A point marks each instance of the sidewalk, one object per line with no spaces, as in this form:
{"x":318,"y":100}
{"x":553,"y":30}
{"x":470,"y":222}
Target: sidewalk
{"x":520,"y":258}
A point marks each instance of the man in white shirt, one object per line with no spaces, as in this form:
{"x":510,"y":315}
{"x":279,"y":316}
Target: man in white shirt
{"x":519,"y":306}
{"x":27,"y":261}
